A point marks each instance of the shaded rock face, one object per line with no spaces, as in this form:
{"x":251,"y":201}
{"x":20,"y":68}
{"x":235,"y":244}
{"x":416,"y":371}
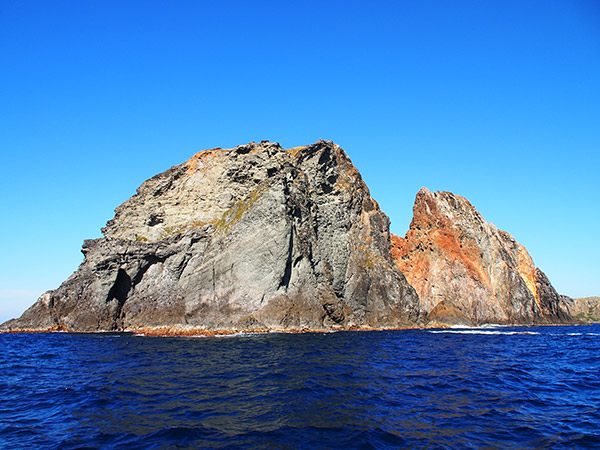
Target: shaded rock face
{"x":255,"y":237}
{"x":466,"y":271}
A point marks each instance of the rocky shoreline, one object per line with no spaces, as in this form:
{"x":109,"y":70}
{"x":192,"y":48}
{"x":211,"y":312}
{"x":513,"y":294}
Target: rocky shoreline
{"x":195,"y":332}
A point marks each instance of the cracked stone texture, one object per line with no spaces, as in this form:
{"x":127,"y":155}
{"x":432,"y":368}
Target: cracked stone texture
{"x":255,"y":237}
{"x":466,"y":271}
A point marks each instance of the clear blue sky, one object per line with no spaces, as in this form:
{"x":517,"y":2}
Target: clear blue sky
{"x":497,"y":101}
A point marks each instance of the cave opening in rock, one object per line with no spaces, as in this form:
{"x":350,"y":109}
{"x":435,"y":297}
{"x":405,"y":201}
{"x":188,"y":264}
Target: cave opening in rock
{"x":121,"y":288}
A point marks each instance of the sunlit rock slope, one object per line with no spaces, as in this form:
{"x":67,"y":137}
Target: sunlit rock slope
{"x":466,"y":271}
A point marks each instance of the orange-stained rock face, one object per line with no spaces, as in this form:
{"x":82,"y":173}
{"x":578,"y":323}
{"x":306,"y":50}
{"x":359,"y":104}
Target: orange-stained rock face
{"x":451,"y":254}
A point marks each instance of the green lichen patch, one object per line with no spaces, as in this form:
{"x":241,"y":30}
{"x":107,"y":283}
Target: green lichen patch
{"x":178,"y":229}
{"x":235,"y":213}
{"x":591,"y":316}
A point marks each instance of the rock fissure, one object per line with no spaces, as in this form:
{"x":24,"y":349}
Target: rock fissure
{"x":287,"y":274}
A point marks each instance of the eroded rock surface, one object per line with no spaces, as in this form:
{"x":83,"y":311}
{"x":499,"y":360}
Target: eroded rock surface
{"x":466,"y":271}
{"x":256,"y":237}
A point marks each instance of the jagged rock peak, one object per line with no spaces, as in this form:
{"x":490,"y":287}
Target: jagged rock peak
{"x":254,"y":238}
{"x":465,"y":270}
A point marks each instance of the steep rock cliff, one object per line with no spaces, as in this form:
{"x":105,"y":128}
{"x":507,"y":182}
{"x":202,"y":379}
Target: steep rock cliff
{"x":254,"y":237}
{"x":466,"y":271}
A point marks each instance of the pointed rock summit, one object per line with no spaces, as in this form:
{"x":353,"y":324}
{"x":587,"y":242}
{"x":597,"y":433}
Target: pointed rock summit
{"x":251,"y":238}
{"x":466,"y":271}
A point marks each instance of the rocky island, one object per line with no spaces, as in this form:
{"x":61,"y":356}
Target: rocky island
{"x":260,"y":238}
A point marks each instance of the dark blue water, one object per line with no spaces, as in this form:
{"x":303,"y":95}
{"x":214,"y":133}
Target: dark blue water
{"x":395,"y":389}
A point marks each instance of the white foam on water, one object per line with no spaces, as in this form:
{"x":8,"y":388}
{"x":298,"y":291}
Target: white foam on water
{"x":480,"y":331}
{"x":241,"y":333}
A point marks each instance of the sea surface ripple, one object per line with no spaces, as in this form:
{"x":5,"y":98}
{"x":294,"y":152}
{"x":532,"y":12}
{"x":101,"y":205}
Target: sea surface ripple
{"x":492,"y":388}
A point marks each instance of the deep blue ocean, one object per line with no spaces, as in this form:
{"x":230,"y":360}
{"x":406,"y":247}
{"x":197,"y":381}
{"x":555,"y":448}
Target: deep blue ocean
{"x":491,"y":388}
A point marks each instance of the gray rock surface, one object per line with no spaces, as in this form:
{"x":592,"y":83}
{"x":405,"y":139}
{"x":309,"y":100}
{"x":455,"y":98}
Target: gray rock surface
{"x":254,"y":238}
